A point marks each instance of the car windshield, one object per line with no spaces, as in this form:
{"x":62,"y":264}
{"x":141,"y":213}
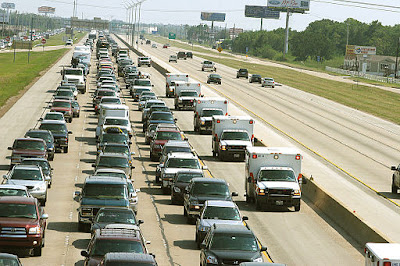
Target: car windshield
{"x":150,"y":104}
{"x":103,"y":246}
{"x":65,"y":93}
{"x":116,"y":149}
{"x":116,"y":121}
{"x":15,"y":210}
{"x":111,"y":100}
{"x":256,"y":76}
{"x":273,"y":175}
{"x":168,"y":135}
{"x":221,"y":213}
{"x":12,"y":192}
{"x":162,"y":116}
{"x":186,"y":177}
{"x":111,"y":174}
{"x":73,"y":72}
{"x":54,"y":128}
{"x":234,"y":242}
{"x":235,"y":135}
{"x":61,"y":104}
{"x":104,"y":190}
{"x":140,"y":90}
{"x":117,"y":138}
{"x":189,"y":93}
{"x":142,"y":82}
{"x":53,"y":116}
{"x":159,"y":108}
{"x":203,"y":188}
{"x":183,"y":163}
{"x":40,"y":135}
{"x":26,"y":174}
{"x":211,"y":112}
{"x":116,"y":216}
{"x":29,"y":145}
{"x":215,"y":76}
{"x":106,"y":93}
{"x":113,"y":161}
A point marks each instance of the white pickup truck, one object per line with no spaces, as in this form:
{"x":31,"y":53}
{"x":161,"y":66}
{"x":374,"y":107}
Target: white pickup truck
{"x":186,"y":93}
{"x":171,"y":78}
{"x":231,"y":135}
{"x":205,"y":108}
{"x":208,"y":65}
{"x":273,"y":177}
{"x":75,"y":76}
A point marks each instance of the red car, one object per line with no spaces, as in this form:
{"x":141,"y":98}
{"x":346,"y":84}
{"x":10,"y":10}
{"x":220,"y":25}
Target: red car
{"x":27,"y":148}
{"x":22,"y":224}
{"x":63,"y":106}
{"x":161,"y":137}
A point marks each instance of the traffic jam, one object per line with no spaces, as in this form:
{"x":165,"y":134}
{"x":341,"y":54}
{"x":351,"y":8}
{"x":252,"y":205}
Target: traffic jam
{"x":109,"y":204}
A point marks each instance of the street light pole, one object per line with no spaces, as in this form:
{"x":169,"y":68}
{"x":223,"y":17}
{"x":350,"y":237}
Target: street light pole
{"x":397,"y":56}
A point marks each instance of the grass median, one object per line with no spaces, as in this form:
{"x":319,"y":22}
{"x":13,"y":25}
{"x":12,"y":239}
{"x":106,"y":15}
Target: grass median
{"x":375,"y":101}
{"x":60,"y":39}
{"x":14,"y":77}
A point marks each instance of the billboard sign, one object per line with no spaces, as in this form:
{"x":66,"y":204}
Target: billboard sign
{"x":360,"y":50}
{"x":213,"y":16}
{"x":294,"y":5}
{"x":46,"y":9}
{"x":8,"y":5}
{"x":261,"y":12}
{"x":4,"y":18}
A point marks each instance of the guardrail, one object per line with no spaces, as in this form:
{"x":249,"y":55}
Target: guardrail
{"x":362,"y":75}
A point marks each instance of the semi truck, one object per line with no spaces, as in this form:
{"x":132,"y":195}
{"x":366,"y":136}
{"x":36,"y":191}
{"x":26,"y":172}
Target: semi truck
{"x":186,"y":93}
{"x":273,"y":177}
{"x":231,"y":135}
{"x":205,"y":108}
{"x":170,"y":82}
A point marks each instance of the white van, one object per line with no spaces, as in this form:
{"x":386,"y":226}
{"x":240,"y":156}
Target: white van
{"x":114,"y":110}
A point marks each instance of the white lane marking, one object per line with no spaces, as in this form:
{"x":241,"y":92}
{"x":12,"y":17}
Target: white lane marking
{"x":70,"y":215}
{"x":77,"y":166}
{"x":76,"y":178}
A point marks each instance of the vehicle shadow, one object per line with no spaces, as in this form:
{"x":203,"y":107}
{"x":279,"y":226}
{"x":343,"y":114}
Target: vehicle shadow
{"x":88,"y":172}
{"x":86,"y":140}
{"x":243,"y":205}
{"x":4,"y":166}
{"x":390,"y":195}
{"x":174,"y":218}
{"x":81,"y":243}
{"x":163,"y":201}
{"x":186,"y":244}
{"x":80,"y":263}
{"x":151,"y":190}
{"x":89,"y":161}
{"x":63,"y":226}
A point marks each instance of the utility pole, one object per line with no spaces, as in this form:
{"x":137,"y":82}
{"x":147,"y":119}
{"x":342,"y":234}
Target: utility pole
{"x":347,"y":39}
{"x":30,"y":41}
{"x":397,"y":56}
{"x":261,"y":24}
{"x":286,"y":46}
{"x":138,"y":27}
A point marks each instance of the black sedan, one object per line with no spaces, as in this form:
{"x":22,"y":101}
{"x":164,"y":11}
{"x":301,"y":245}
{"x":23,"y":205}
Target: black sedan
{"x":214,"y":78}
{"x":255,"y":78}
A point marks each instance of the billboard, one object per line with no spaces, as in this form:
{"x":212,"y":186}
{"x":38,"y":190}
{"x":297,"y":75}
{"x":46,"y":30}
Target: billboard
{"x":293,"y":5}
{"x":8,"y":5}
{"x":213,"y":16}
{"x":357,"y":50}
{"x":46,"y":9}
{"x":261,"y":12}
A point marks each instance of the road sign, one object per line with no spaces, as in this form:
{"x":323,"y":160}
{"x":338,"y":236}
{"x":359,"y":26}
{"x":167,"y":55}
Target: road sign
{"x":8,"y":38}
{"x":43,"y":41}
{"x":46,"y":9}
{"x":293,"y":6}
{"x":219,"y":49}
{"x":171,"y":36}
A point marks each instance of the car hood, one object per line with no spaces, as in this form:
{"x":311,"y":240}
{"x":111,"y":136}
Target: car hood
{"x":236,"y":142}
{"x":28,"y":152}
{"x":160,"y":142}
{"x":17,"y":222}
{"x":27,"y":183}
{"x":104,"y":202}
{"x":125,"y":169}
{"x":236,"y":255}
{"x":278,"y":184}
{"x":161,"y":122}
{"x":210,"y":222}
{"x":60,"y":135}
{"x":170,"y":170}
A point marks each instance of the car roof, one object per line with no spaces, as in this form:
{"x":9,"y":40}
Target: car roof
{"x":116,"y":209}
{"x":39,"y":131}
{"x":177,"y":143}
{"x":116,"y":117}
{"x":8,"y":256}
{"x":232,"y":228}
{"x":207,"y":180}
{"x":27,"y":166}
{"x":13,"y":186}
{"x":30,"y":139}
{"x":60,"y":100}
{"x":104,"y":179}
{"x":128,"y":257}
{"x":118,"y":233}
{"x":185,"y":155}
{"x":59,"y":122}
{"x":168,"y":129}
{"x":220,"y":203}
{"x":35,"y":159}
{"x":17,"y":199}
{"x":112,"y":154}
{"x":57,"y":113}
{"x":160,"y":112}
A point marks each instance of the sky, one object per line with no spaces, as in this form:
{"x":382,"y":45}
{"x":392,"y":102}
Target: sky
{"x":188,"y":11}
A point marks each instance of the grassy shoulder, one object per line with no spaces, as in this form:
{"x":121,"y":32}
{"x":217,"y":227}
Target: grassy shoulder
{"x":375,"y":101}
{"x":14,"y":77}
{"x":59,"y":39}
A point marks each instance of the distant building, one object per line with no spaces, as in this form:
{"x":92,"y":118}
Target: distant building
{"x":380,"y":65}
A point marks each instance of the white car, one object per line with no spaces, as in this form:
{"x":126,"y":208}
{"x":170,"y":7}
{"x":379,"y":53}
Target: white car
{"x":268,"y":82}
{"x":154,"y":45}
{"x":173,"y":58}
{"x":69,"y":42}
{"x":14,"y":190}
{"x":120,"y":122}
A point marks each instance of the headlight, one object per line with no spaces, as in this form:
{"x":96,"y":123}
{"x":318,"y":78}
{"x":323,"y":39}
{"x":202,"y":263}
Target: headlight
{"x":203,"y":122}
{"x":34,"y":230}
{"x":212,"y":260}
{"x":223,"y":147}
{"x":203,"y":228}
{"x":86,"y":211}
{"x":296,"y":192}
{"x":196,"y":207}
{"x":259,"y":259}
{"x":177,"y":190}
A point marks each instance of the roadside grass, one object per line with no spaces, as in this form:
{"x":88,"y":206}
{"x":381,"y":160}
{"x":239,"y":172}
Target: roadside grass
{"x":14,"y":77}
{"x":59,"y":39}
{"x":375,"y":101}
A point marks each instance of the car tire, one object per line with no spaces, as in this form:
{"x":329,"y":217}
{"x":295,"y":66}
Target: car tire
{"x":37,"y":252}
{"x":51,"y":158}
{"x":43,"y":202}
{"x":273,"y":86}
{"x":219,"y":83}
{"x":65,"y":149}
{"x":49,"y":185}
{"x":297,"y":207}
{"x":202,"y":69}
{"x":208,"y":82}
{"x":185,"y":212}
{"x":248,"y":198}
{"x":78,"y":115}
{"x":173,"y":201}
{"x":394,"y":188}
{"x":214,"y":154}
{"x":237,"y":77}
{"x":70,"y":120}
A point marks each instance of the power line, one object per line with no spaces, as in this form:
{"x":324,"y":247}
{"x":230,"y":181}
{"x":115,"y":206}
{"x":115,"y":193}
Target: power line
{"x":358,"y":6}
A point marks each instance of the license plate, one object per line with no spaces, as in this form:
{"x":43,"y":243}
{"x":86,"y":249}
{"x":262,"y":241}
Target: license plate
{"x":236,"y":155}
{"x":279,"y":202}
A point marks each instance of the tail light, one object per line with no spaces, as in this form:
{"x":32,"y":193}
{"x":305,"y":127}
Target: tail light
{"x":198,"y":85}
{"x":252,"y":137}
{"x":225,"y":102}
{"x":218,"y":121}
{"x":298,"y":157}
{"x":226,"y":113}
{"x":387,"y":263}
{"x":251,"y":122}
{"x":198,"y":101}
{"x":254,"y":156}
{"x":251,"y":175}
{"x":299,"y":177}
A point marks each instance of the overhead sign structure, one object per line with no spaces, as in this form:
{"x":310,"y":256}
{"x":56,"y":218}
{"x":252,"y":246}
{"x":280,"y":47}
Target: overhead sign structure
{"x":46,"y":9}
{"x":4,"y":18}
{"x":213,"y":16}
{"x":172,"y":36}
{"x":360,"y":50}
{"x":261,"y":12}
{"x":296,"y":6}
{"x":8,"y":5}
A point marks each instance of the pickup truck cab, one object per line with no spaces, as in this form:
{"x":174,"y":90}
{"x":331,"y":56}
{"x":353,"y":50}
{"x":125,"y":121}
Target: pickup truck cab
{"x":208,"y":65}
{"x":75,"y":76}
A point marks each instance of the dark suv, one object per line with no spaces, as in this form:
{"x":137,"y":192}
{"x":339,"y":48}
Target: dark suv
{"x":255,"y":78}
{"x":59,"y":131}
{"x":181,"y":55}
{"x":242,"y":73}
{"x":230,"y":245}
{"x":27,"y":148}
{"x":201,"y":189}
{"x":113,"y":240}
{"x":22,"y":224}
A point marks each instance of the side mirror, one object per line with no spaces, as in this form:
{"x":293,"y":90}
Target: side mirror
{"x":204,"y":167}
{"x":140,"y":222}
{"x":393,"y":168}
{"x":245,"y":218}
{"x":255,"y":140}
{"x":161,"y":165}
{"x":186,"y":190}
{"x":40,"y":119}
{"x":44,"y":216}
{"x":263,"y":248}
{"x":130,"y":142}
{"x":84,"y":253}
{"x":132,"y":167}
{"x":152,"y":85}
{"x":235,"y":194}
{"x":77,"y":193}
{"x":9,"y":148}
{"x":249,"y":179}
{"x":5,"y":176}
{"x":137,"y":190}
{"x":70,"y":132}
{"x":93,"y":165}
{"x":175,"y":119}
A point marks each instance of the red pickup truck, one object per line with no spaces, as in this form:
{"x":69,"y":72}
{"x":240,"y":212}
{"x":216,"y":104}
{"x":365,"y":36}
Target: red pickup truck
{"x":22,"y":224}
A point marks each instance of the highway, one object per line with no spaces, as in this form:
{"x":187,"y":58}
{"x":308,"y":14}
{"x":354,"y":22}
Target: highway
{"x":342,"y":146}
{"x":302,"y":238}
